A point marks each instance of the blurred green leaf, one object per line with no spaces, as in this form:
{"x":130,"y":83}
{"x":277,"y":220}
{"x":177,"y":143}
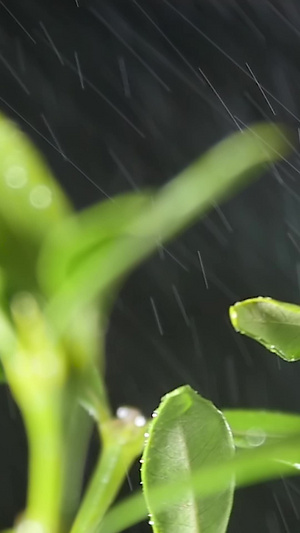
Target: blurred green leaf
{"x":186,"y":434}
{"x":249,"y":466}
{"x":31,"y":203}
{"x":65,"y":260}
{"x":255,"y":428}
{"x":2,"y":374}
{"x":104,"y":261}
{"x":215,"y":176}
{"x":275,"y":325}
{"x":87,"y":233}
{"x":8,"y":339}
{"x":30,"y":198}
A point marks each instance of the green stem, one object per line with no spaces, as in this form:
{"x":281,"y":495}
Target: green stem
{"x":76,"y":442}
{"x":92,"y":395}
{"x":107,"y":479}
{"x":36,"y":373}
{"x":43,"y":424}
{"x":122,"y":444}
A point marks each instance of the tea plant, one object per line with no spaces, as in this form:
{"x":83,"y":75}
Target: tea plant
{"x":60,"y":272}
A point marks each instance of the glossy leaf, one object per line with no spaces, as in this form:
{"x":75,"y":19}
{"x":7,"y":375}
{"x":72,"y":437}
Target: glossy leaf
{"x":249,"y":466}
{"x":186,"y":434}
{"x":172,"y":209}
{"x":255,"y":428}
{"x":275,"y":325}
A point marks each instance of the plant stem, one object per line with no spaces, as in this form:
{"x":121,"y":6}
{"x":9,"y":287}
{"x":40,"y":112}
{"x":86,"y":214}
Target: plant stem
{"x":37,"y":374}
{"x":76,"y":443}
{"x":43,"y":424}
{"x":122,"y":444}
{"x":92,"y":395}
{"x":107,"y":479}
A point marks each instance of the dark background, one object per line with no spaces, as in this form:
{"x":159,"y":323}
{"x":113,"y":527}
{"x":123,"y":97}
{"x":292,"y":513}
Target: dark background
{"x":112,"y":94}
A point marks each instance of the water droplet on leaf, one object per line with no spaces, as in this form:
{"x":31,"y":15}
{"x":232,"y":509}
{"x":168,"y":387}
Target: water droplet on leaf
{"x":16,"y":176}
{"x":40,"y":197}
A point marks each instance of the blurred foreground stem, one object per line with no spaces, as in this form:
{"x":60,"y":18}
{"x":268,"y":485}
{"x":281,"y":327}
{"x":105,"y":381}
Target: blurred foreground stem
{"x":43,"y":425}
{"x":37,"y":373}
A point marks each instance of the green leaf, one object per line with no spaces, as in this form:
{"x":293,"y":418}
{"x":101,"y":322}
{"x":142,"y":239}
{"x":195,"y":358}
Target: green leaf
{"x":249,"y":466}
{"x":105,"y":262}
{"x":255,"y":428}
{"x":2,"y":374}
{"x":71,"y":253}
{"x":275,"y":325}
{"x":64,"y":262}
{"x":212,"y":178}
{"x":30,"y":199}
{"x":186,"y":434}
{"x":8,"y":339}
{"x":31,"y":203}
{"x":69,"y":248}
